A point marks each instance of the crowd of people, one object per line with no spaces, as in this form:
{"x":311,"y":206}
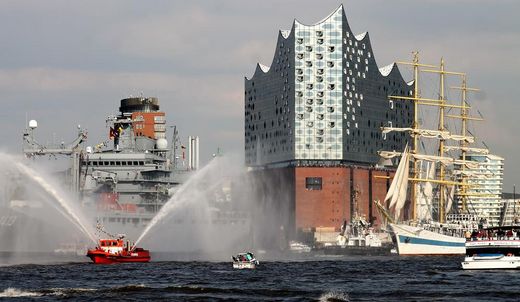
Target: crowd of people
{"x":496,"y":234}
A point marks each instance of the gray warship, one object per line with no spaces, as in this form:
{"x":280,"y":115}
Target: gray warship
{"x":126,"y":179}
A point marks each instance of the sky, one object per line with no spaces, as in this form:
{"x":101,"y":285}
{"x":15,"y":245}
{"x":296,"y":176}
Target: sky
{"x":68,"y":63}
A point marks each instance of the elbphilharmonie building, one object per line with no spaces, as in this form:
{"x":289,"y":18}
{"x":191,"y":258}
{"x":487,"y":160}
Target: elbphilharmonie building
{"x":313,"y":121}
{"x":323,"y":98}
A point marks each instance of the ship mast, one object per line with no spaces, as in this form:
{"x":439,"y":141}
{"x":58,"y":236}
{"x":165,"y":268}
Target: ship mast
{"x":415,"y":126}
{"x":416,"y":132}
{"x":464,"y":116}
{"x":442,"y":103}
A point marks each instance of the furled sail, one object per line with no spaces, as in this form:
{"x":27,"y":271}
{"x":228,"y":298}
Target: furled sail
{"x":467,"y":139}
{"x":428,"y":133}
{"x":474,"y":174}
{"x":433,"y":158}
{"x":467,"y":149}
{"x":422,"y":132}
{"x":467,"y":163}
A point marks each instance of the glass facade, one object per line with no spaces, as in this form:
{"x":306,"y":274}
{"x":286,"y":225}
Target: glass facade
{"x":323,"y":98}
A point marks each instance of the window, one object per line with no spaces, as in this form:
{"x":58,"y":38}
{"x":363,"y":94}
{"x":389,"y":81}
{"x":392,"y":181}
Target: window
{"x":313,"y":183}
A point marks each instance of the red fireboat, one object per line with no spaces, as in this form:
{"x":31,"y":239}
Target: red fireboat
{"x":116,"y":251}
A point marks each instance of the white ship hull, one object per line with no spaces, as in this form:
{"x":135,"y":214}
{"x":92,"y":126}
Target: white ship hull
{"x":492,"y":250}
{"x":491,"y":262}
{"x":412,"y":240}
{"x":244,"y":265}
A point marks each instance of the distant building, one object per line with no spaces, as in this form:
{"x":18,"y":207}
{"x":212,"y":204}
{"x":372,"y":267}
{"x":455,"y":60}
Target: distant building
{"x":484,"y":195}
{"x":313,"y":125}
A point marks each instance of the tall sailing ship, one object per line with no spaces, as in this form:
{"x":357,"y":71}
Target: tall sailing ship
{"x":436,"y":226}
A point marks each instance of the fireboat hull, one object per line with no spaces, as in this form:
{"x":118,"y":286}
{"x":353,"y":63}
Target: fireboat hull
{"x":101,"y":257}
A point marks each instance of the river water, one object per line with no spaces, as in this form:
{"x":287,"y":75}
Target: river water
{"x":381,"y":278}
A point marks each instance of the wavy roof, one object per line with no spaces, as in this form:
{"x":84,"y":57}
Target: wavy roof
{"x":285,"y":34}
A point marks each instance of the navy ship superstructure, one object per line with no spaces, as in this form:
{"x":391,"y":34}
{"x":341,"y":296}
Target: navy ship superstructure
{"x":130,"y":182}
{"x":126,"y":179}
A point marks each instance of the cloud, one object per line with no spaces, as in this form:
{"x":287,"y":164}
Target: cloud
{"x":60,"y":60}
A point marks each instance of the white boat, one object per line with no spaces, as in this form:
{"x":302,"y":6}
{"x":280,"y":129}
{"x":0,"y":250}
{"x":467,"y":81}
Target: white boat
{"x":298,"y":247}
{"x":493,"y":248}
{"x":411,"y":240}
{"x":245,"y":261}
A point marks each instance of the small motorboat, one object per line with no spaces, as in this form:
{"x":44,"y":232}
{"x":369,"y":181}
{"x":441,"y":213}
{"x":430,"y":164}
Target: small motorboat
{"x":298,"y":247}
{"x":245,"y":261}
{"x":117,"y":251}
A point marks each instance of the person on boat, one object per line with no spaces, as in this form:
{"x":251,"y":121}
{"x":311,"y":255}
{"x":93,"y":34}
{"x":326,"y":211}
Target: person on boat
{"x":474,"y":235}
{"x":468,"y":235}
